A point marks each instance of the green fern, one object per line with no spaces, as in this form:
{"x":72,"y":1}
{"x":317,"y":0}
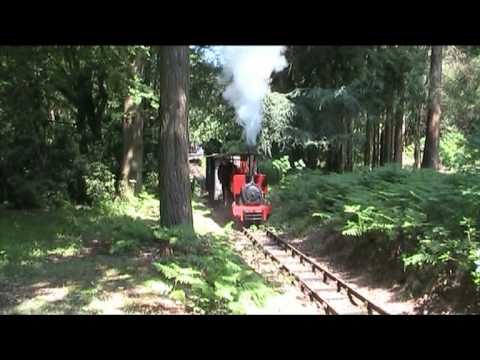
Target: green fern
{"x":436,"y":213}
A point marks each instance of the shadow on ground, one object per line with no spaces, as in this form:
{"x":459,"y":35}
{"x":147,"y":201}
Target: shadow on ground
{"x":62,"y":262}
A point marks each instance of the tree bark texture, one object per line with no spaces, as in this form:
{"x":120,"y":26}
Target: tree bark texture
{"x":399,"y":135}
{"x":431,"y":157}
{"x":132,"y":163}
{"x":369,"y":142}
{"x":175,"y":190}
{"x":416,"y":138}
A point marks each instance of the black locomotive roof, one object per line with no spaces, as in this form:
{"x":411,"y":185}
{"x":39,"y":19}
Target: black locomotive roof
{"x":225,"y":155}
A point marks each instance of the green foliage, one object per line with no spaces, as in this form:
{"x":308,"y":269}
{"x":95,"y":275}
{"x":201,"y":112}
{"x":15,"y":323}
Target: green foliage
{"x":304,"y":117}
{"x":273,"y":174}
{"x":460,"y":133}
{"x":208,"y":275}
{"x":122,"y":246}
{"x":26,"y":193}
{"x":277,"y":127}
{"x":437,"y":214}
{"x":100,"y":182}
{"x":282,"y":165}
{"x":299,"y":165}
{"x":234,"y":147}
{"x":181,"y":237}
{"x":151,"y":182}
{"x":62,"y":107}
{"x":210,"y":117}
{"x":452,"y":149}
{"x":277,"y":169}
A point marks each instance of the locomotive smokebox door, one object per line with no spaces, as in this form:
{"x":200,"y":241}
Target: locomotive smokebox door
{"x":214,"y":187}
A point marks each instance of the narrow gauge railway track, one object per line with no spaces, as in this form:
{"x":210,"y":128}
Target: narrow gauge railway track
{"x":322,"y":287}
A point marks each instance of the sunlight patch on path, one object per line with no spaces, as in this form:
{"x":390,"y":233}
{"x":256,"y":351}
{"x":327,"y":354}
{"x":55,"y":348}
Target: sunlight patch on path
{"x":112,"y":305}
{"x":204,"y":225}
{"x":287,"y":303}
{"x":43,"y":297}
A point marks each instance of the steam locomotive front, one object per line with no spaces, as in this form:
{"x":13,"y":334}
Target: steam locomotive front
{"x":251,"y":194}
{"x":249,"y":188}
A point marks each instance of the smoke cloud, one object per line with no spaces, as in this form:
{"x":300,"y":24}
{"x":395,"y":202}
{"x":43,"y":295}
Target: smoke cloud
{"x":247,"y":70}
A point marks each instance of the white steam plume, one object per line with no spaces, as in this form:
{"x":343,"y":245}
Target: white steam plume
{"x":248,"y":69}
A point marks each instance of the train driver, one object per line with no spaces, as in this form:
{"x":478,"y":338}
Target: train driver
{"x":225,"y":173}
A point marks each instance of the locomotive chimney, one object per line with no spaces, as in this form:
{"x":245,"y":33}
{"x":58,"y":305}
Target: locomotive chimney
{"x":250,"y":155}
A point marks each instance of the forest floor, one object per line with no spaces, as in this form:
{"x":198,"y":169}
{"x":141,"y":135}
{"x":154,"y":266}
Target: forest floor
{"x":51,"y":267}
{"x":61,"y":262}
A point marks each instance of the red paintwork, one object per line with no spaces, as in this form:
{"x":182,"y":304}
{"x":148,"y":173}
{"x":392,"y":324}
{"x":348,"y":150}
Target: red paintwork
{"x":239,"y":210}
{"x":237,"y":184}
{"x":260,"y":180}
{"x":238,"y":181}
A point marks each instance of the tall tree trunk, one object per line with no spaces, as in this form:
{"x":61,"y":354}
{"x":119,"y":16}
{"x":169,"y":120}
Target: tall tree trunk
{"x":125,"y":186}
{"x":375,"y":145}
{"x":416,"y":138}
{"x":431,"y":157}
{"x":340,"y":158}
{"x":399,"y":134}
{"x":81,"y":120}
{"x":383,"y":143}
{"x":175,"y":190}
{"x":392,"y":138}
{"x":336,"y":156}
{"x":137,"y":126}
{"x":389,"y":133}
{"x":132,"y":161}
{"x":381,"y":127}
{"x":367,"y":155}
{"x":349,"y":144}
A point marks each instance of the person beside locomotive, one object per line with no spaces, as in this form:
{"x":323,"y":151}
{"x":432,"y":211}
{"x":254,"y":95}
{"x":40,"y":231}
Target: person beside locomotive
{"x":225,"y":173}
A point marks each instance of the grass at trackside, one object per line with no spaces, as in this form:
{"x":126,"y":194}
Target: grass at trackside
{"x":96,"y":260}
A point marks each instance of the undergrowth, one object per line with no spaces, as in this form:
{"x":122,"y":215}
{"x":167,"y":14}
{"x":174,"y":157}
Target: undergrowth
{"x":432,"y":219}
{"x":201,"y":271}
{"x":30,"y":236}
{"x":207,"y":275}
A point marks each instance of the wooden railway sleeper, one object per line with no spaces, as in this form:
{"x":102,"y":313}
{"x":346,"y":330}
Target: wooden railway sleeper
{"x":370,"y":307}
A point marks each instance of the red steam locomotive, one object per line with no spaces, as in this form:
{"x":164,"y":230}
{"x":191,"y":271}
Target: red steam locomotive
{"x":235,"y":178}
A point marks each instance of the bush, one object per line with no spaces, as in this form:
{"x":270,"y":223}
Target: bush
{"x":452,"y":149}
{"x":282,"y":165}
{"x":206,"y":274}
{"x":123,"y":246}
{"x":58,"y":198}
{"x":273,"y":174}
{"x":26,"y":194}
{"x":100,"y":183}
{"x":436,"y":214}
{"x":234,"y":147}
{"x":151,"y":182}
{"x":276,"y":170}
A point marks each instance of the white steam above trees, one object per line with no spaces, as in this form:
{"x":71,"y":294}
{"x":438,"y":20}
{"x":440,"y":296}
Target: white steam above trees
{"x":247,"y":71}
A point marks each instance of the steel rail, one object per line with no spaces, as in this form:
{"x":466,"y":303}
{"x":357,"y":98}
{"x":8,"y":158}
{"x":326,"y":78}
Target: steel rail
{"x":316,"y":268}
{"x":341,"y":285}
{"x":327,"y":308}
